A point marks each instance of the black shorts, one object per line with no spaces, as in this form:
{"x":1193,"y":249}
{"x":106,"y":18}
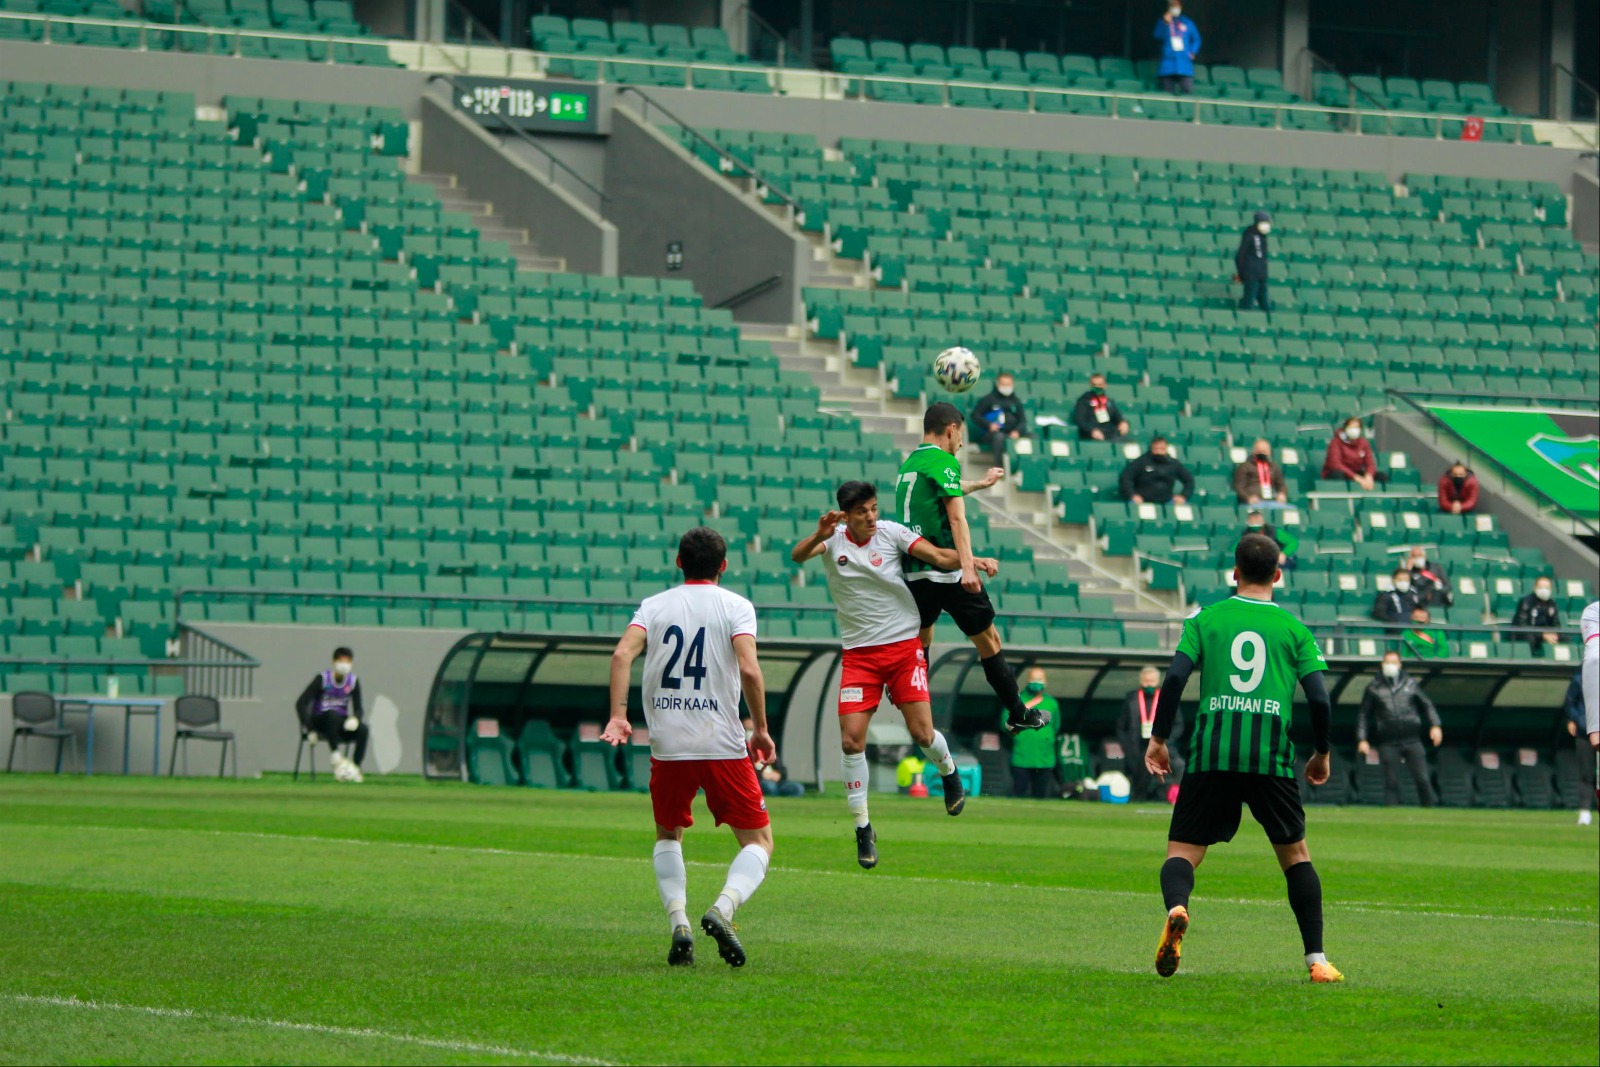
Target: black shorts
{"x":972,"y":612}
{"x":1209,"y":805}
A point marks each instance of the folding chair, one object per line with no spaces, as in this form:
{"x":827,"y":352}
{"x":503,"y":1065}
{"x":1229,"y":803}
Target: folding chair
{"x":198,"y":717}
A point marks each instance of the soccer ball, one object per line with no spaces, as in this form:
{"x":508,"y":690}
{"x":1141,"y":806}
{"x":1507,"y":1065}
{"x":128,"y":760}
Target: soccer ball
{"x":957,"y":369}
{"x":345,"y":770}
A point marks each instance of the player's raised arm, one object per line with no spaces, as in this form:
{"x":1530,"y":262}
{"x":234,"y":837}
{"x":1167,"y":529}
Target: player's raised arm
{"x":813,"y":546}
{"x":990,"y":476}
{"x":755,"y":697}
{"x":618,"y":729}
{"x":946,"y":559}
{"x":1156,"y":758}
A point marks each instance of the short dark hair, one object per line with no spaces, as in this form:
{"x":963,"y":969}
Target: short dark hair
{"x":1158,"y":440}
{"x":1256,"y":558}
{"x":343,"y":653}
{"x":852,"y":495}
{"x":940,"y":417}
{"x":701,"y":552}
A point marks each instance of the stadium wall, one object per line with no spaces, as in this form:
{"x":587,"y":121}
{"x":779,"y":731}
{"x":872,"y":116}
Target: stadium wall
{"x":211,"y":77}
{"x":565,"y":226}
{"x":660,"y":194}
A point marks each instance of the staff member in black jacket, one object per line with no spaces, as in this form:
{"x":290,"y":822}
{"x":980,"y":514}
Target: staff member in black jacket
{"x":1395,"y":707}
{"x":1138,"y":720}
{"x":999,"y":417}
{"x":1150,"y":479}
{"x":1096,"y":415}
{"x":1250,"y":263}
{"x":1537,"y":609}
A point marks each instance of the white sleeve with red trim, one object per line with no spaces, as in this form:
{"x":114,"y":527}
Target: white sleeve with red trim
{"x":901,"y":537}
{"x":638,"y":620}
{"x":742,"y":615}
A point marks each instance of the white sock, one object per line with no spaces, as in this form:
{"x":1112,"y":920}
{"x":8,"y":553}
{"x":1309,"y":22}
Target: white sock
{"x":745,"y":873}
{"x":1315,"y":958}
{"x":673,"y":881}
{"x":938,"y":753}
{"x":855,"y":785}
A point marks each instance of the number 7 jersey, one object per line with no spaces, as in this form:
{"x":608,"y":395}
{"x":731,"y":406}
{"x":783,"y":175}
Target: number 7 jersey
{"x":691,"y":675}
{"x":1251,"y":655}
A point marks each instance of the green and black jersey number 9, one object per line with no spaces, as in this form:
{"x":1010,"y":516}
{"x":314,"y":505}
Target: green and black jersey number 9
{"x":694,"y":664}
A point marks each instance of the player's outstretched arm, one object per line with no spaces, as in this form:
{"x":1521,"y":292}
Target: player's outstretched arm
{"x":947,"y":559}
{"x":1317,"y":767}
{"x":618,"y":729}
{"x":755,"y":695}
{"x":1156,"y":759}
{"x":813,"y":546}
{"x":955,"y":509}
{"x":990,"y":476}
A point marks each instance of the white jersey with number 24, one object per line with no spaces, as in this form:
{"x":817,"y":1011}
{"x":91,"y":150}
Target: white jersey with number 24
{"x":691,"y":674}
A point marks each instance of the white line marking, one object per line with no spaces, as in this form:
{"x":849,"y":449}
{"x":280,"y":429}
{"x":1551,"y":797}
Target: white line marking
{"x":310,"y":1028}
{"x":1399,"y":910}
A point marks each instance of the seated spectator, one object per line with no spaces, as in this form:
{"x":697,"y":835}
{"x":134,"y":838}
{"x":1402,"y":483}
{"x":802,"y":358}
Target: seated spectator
{"x":1537,"y":609}
{"x":1458,"y":489}
{"x":999,"y":418}
{"x":1258,"y":481}
{"x":1350,"y":457}
{"x":1096,"y":415}
{"x":1395,"y":605}
{"x":1288,"y":543}
{"x":1151,"y":478}
{"x":1428,"y":583}
{"x":1422,"y":641}
{"x":775,"y":782}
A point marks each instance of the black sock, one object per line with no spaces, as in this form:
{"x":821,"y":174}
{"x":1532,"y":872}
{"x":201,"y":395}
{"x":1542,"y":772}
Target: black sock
{"x":1004,"y":684}
{"x":1177,"y":881}
{"x":1305,"y":897}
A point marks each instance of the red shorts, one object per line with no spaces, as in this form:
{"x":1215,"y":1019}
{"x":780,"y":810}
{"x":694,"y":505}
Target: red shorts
{"x":900,"y":668}
{"x":733,"y":793}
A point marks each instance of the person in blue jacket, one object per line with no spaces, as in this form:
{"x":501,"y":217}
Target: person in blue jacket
{"x":1179,"y":42}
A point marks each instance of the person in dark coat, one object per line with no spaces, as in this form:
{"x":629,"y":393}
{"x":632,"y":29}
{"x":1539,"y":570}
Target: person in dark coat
{"x":1395,"y":605}
{"x":1392,"y":713}
{"x":1138,"y":719}
{"x":1152,"y":477}
{"x":1250,"y":263}
{"x":999,"y":417}
{"x":1458,"y":490}
{"x":1096,"y":415}
{"x":1537,"y":609}
{"x":1577,"y":727}
{"x":1429,"y":583}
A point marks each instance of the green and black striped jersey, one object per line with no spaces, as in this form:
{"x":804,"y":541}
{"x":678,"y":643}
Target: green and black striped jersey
{"x":1251,"y":655}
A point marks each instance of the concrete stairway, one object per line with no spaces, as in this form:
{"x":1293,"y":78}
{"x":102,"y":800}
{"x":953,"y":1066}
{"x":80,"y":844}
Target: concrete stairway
{"x":455,"y":197}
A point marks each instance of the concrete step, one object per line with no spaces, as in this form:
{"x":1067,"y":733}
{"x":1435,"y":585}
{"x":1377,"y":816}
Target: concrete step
{"x":541,"y":264}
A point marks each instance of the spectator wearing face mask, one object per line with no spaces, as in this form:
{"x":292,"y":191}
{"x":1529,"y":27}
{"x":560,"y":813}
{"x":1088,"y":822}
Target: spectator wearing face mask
{"x":1458,"y":490}
{"x":1428,"y":581}
{"x":1350,"y":457}
{"x":1422,"y":641}
{"x":1152,"y":477}
{"x":999,"y":417}
{"x":1178,"y":42}
{"x":1258,"y":481}
{"x":1288,"y":543}
{"x":1096,"y":415}
{"x":1033,"y":752}
{"x":331,"y":706}
{"x":1537,"y":609}
{"x":1250,"y":263}
{"x":1395,"y":605}
{"x":1394,"y":709}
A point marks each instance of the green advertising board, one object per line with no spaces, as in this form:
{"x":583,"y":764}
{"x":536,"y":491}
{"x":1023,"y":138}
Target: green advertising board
{"x":1556,"y":452}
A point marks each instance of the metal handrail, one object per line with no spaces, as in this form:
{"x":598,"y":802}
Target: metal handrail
{"x":766,"y":285}
{"x":539,"y":61}
{"x":1340,"y":628}
{"x":728,"y":157}
{"x":528,"y":139}
{"x":1330,"y":67}
{"x":1439,"y":425}
{"x":749,"y":14}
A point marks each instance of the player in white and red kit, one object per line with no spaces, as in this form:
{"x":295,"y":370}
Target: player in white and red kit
{"x":879,"y":625}
{"x":699,"y":645}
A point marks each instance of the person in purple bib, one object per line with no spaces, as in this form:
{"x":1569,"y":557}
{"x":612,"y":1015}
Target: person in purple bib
{"x":331,"y":706}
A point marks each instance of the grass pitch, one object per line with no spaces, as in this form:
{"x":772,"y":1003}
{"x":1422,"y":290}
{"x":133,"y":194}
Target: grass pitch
{"x":195,"y":921}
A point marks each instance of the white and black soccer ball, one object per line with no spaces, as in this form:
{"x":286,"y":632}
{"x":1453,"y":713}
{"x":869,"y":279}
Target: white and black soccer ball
{"x":344,"y":771}
{"x":957,"y":369}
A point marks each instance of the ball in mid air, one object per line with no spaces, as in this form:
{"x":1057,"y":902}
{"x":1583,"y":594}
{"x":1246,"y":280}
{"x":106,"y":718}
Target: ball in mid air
{"x":957,"y":369}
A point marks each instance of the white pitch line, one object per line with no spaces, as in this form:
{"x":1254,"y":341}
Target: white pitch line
{"x":1397,"y":910}
{"x":368,"y":1033}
